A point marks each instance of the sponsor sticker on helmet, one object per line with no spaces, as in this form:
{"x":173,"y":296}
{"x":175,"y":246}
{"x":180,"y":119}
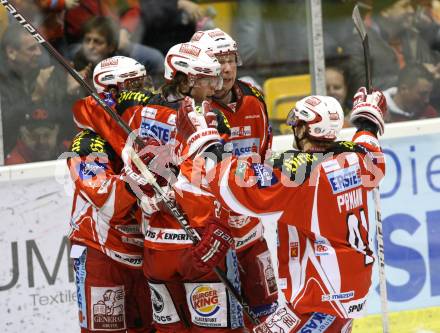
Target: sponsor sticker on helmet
{"x":190,"y":49}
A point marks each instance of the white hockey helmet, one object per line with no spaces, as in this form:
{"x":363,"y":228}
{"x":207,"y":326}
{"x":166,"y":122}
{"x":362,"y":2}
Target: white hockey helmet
{"x":117,"y":72}
{"x":322,"y":114}
{"x":219,"y":41}
{"x":192,"y":60}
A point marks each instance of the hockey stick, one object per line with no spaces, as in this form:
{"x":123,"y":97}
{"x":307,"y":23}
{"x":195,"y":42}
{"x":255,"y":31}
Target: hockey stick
{"x":360,"y":27}
{"x":175,"y":211}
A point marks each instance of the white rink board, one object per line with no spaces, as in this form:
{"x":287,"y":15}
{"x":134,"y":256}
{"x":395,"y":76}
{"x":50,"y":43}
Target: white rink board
{"x":36,"y":282}
{"x":36,"y":289}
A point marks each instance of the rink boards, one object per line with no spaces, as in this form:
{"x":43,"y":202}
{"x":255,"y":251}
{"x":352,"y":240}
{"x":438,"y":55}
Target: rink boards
{"x":36,"y":282}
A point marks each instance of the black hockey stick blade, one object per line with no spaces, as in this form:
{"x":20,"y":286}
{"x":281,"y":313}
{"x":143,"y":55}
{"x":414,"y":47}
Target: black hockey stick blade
{"x":358,"y":22}
{"x":360,"y":27}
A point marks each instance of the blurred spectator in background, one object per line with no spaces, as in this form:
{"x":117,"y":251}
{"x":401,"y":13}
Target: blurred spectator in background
{"x":170,"y":22}
{"x":26,"y":82}
{"x":99,"y":41}
{"x":38,"y":139}
{"x":19,"y":71}
{"x":126,"y":15}
{"x":410,"y":99}
{"x":394,"y":42}
{"x":336,"y":86}
{"x":48,"y":17}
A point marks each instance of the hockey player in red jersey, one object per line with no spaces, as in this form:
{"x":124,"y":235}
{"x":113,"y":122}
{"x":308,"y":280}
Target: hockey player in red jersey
{"x":186,"y":295}
{"x":319,"y":196}
{"x":107,"y":242}
{"x":244,"y":107}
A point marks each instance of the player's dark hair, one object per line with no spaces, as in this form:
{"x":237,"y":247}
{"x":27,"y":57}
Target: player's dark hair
{"x":172,"y":87}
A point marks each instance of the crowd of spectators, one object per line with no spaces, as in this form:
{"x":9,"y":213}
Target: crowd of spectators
{"x":272,"y":37}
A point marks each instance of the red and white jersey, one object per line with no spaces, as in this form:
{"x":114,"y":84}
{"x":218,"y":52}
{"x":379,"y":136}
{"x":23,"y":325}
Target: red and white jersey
{"x":320,"y":202}
{"x":105,"y":213}
{"x":250,"y":134}
{"x":158,"y":119}
{"x":248,"y":121}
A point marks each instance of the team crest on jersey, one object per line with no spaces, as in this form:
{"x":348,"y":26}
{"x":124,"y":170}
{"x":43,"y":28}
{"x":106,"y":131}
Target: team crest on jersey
{"x":108,"y":312}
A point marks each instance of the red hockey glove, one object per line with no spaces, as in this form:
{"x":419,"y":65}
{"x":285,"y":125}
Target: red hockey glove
{"x":152,"y":151}
{"x":371,"y":107}
{"x":216,"y":241}
{"x":151,"y":202}
{"x":197,"y":125}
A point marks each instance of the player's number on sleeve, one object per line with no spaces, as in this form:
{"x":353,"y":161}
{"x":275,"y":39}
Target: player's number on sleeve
{"x":355,"y":237}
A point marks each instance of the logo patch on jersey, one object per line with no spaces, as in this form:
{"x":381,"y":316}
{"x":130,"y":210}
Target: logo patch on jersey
{"x":251,"y":236}
{"x":148,"y":112}
{"x":345,"y":179}
{"x":318,"y":323}
{"x":245,"y":146}
{"x":265,"y":176}
{"x":321,"y":248}
{"x":338,"y":297}
{"x":108,"y":312}
{"x":204,"y":301}
{"x":156,"y":129}
{"x":164,"y":311}
{"x":172,"y":119}
{"x":80,"y":281}
{"x":356,"y":308}
{"x":294,"y":250}
{"x":266,"y":270}
{"x":88,"y":170}
{"x":208,"y":304}
{"x":240,"y":131}
{"x":283,"y":320}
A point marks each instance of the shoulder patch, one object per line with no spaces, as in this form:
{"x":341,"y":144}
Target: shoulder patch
{"x":348,"y":147}
{"x":250,"y":90}
{"x":128,"y":99}
{"x":87,"y":142}
{"x":295,"y":164}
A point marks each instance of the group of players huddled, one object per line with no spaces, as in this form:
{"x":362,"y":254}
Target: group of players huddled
{"x":207,"y":139}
